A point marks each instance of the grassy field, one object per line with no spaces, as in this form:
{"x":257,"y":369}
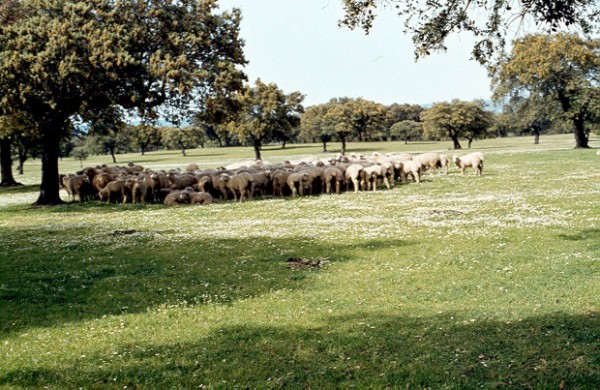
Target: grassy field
{"x":458,"y":282}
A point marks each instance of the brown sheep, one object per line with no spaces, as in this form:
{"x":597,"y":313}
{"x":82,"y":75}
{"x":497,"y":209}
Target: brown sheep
{"x":115,"y":190}
{"x":279,"y":181}
{"x":201,"y":198}
{"x":178,"y":197}
{"x":260,"y":182}
{"x":241,"y":184}
{"x":333,"y":175}
{"x":296,"y":182}
{"x":77,"y":186}
{"x":179,"y":182}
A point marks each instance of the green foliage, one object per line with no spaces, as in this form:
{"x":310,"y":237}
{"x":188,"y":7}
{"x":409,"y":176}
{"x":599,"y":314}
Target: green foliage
{"x":144,"y":136}
{"x":560,"y":70}
{"x":456,"y":119}
{"x":407,"y":130}
{"x":188,"y":137}
{"x":430,"y":23}
{"x":66,"y":58}
{"x":267,"y":114}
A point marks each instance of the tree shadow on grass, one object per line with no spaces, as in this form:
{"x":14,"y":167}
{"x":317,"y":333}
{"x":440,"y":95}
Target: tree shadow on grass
{"x":52,"y":280}
{"x":363,"y":350}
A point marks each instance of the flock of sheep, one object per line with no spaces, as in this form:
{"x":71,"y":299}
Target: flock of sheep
{"x":308,"y":176}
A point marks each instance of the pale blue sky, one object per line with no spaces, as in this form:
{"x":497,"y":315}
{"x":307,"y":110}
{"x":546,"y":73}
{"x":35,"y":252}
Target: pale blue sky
{"x":298,"y":45}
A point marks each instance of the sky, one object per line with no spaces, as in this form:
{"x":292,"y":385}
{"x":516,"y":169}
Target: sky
{"x":299,"y":46}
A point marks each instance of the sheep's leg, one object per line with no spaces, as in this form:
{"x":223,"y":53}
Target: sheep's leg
{"x":386,"y":182}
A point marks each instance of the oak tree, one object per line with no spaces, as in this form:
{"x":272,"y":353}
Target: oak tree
{"x":456,"y":119}
{"x":67,"y":58}
{"x":563,"y":69}
{"x":266,"y":112}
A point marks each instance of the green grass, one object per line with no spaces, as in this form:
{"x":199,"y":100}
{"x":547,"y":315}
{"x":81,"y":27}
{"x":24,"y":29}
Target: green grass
{"x":459,"y":282}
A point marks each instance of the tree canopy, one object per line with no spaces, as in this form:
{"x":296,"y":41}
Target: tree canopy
{"x":66,"y":58}
{"x":562,"y":69}
{"x":430,"y":23}
{"x":456,"y":119}
{"x":267,"y":113}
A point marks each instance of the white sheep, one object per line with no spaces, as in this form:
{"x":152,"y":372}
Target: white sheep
{"x":432,"y":161}
{"x":474,"y":160}
{"x":371,"y":175}
{"x":353,"y":173}
{"x":410,"y":167}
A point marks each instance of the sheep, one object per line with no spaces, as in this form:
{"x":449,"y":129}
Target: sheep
{"x":240,"y":183}
{"x":353,"y":173}
{"x":178,"y":197}
{"x":139,"y":189}
{"x":201,"y":198}
{"x":260,"y":182}
{"x":298,"y":178}
{"x":279,"y":181}
{"x":410,"y":167}
{"x":372,"y":174}
{"x":114,"y":190}
{"x":334,"y":175}
{"x":180,"y":181}
{"x":77,"y":186}
{"x":474,"y":160}
{"x":431,"y":161}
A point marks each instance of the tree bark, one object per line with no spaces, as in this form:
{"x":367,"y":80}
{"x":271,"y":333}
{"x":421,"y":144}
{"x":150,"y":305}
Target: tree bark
{"x":536,"y":137}
{"x":581,"y":137}
{"x":343,"y":146}
{"x":112,"y":154}
{"x":257,"y":144}
{"x":324,"y":146}
{"x":49,"y":188}
{"x":456,"y":142}
{"x":8,"y":179}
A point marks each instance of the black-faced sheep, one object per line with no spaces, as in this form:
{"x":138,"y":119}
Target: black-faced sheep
{"x":474,"y":160}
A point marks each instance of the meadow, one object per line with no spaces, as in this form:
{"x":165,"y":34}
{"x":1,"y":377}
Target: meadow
{"x":457,"y":282}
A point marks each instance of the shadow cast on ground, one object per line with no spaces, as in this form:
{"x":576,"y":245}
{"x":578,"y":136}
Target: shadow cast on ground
{"x":364,"y":351}
{"x":130,"y":272}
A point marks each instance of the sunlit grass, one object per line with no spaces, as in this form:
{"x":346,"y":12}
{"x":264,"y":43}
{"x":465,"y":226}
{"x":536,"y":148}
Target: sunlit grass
{"x":458,"y":282}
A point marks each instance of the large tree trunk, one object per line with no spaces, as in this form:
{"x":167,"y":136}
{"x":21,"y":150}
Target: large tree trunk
{"x":6,"y":164}
{"x":112,"y":154}
{"x":581,"y":137}
{"x":257,"y":145}
{"x":324,"y":146}
{"x":456,"y":142}
{"x":343,"y":146}
{"x":49,"y":188}
{"x":536,"y":137}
